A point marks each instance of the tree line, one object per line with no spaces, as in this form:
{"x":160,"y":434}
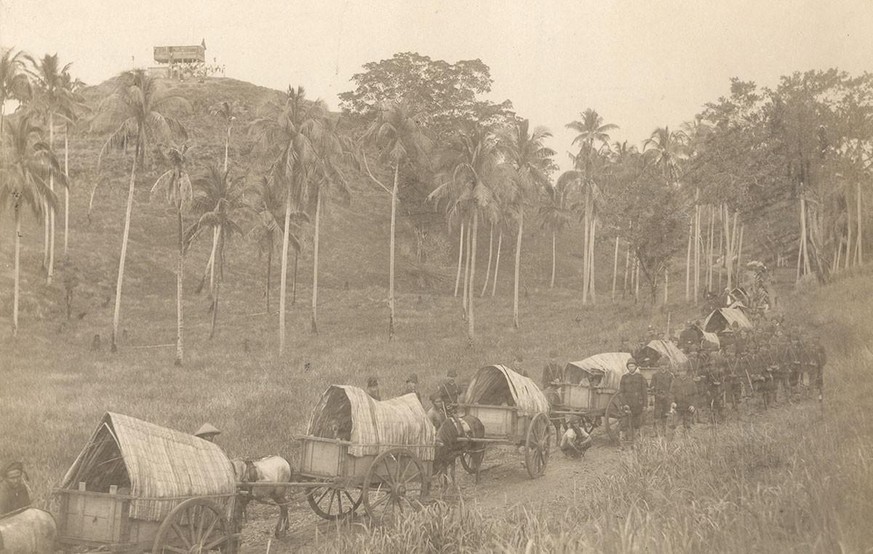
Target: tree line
{"x":420,"y":131}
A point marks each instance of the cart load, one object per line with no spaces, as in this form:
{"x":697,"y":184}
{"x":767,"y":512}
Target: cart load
{"x":589,"y":391}
{"x":656,"y":351}
{"x":363,"y":451}
{"x":136,"y":486}
{"x":601,"y":371}
{"x":513,"y":410}
{"x":724,"y":318}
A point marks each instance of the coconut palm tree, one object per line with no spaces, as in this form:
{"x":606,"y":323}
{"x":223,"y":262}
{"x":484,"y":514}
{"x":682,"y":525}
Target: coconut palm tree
{"x":136,"y":112}
{"x":666,"y":149}
{"x":396,"y":134}
{"x":219,"y":202}
{"x":593,"y":139}
{"x":555,"y":215}
{"x":286,"y":137}
{"x":50,"y":98}
{"x":70,"y":109}
{"x":14,"y":84}
{"x":470,"y":169}
{"x":28,"y":163}
{"x":175,"y":187}
{"x":529,"y":162}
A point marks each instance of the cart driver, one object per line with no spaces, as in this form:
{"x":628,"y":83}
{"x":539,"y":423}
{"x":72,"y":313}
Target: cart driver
{"x":575,"y":440}
{"x":207,"y":432}
{"x":13,"y":490}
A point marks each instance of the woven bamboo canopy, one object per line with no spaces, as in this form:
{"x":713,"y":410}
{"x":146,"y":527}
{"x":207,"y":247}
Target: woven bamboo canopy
{"x":497,"y":385}
{"x":666,"y":349}
{"x":371,"y":426}
{"x":151,"y":462}
{"x":602,"y":370}
{"x":721,"y":319}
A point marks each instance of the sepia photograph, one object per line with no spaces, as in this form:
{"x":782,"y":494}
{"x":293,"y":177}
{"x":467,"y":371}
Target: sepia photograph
{"x":436,"y":276}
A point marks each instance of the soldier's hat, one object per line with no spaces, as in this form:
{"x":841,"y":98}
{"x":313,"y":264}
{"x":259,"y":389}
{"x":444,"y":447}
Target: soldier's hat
{"x":631,"y":361}
{"x":206,"y":430}
{"x":372,"y":382}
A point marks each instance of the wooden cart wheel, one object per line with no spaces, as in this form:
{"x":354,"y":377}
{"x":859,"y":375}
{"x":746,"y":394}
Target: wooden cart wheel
{"x":471,"y":460}
{"x":332,"y":503}
{"x":539,"y":443}
{"x":196,"y":525}
{"x":395,"y":483}
{"x":613,"y":417}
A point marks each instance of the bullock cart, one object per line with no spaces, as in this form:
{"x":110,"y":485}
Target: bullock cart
{"x":589,"y":391}
{"x":514,"y":411}
{"x":360,"y":452}
{"x":139,"y":487}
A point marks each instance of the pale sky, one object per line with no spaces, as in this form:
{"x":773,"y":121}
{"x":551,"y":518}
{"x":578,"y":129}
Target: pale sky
{"x":640,"y":64}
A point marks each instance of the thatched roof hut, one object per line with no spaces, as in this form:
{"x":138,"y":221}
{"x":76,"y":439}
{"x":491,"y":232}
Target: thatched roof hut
{"x":602,"y":370}
{"x":158,"y":465}
{"x":372,"y":426}
{"x":497,"y":385}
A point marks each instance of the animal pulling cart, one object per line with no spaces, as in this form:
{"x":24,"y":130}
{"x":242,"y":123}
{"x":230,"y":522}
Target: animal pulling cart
{"x":514,"y":411}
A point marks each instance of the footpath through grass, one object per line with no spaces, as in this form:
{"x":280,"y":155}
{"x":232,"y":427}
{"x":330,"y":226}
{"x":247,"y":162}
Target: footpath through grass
{"x":795,"y":479}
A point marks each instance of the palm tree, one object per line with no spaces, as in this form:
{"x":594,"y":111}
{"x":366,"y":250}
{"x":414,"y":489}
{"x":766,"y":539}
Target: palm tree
{"x":529,"y":162}
{"x":666,"y":148}
{"x":219,"y":202}
{"x":175,"y":186}
{"x":593,"y":139}
{"x":14,"y":84}
{"x":51,"y":97}
{"x":466,"y":182}
{"x":555,"y":215}
{"x":136,"y":113}
{"x":27,"y":164}
{"x":70,"y":109}
{"x":267,"y":202}
{"x":398,"y":137}
{"x":286,"y":137}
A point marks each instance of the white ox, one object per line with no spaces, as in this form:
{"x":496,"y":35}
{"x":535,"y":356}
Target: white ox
{"x":271,"y":469}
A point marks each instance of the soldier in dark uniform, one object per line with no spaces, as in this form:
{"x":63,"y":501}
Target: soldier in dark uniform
{"x":715,"y":386}
{"x":733,"y":384}
{"x":552,"y":371}
{"x":688,"y":338}
{"x":684,"y":397}
{"x":662,"y":387}
{"x":635,"y":395}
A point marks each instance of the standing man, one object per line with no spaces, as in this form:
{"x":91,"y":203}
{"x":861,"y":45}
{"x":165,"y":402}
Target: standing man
{"x":412,"y":386}
{"x":688,"y":337}
{"x":449,"y":391}
{"x":552,"y":371}
{"x":635,"y":395}
{"x":13,"y":490}
{"x":662,"y":386}
{"x":373,"y":388}
{"x":684,"y":394}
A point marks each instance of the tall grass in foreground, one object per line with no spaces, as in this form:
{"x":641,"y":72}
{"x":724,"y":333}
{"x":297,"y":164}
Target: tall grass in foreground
{"x":797,"y":479}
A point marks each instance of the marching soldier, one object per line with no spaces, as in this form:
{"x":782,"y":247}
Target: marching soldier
{"x":662,"y":387}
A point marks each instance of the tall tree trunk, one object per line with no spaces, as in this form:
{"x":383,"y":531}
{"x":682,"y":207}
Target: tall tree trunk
{"x":696,"y":245}
{"x":211,"y":262}
{"x":636,"y":279}
{"x":688,"y":263}
{"x":226,"y":144}
{"x":66,"y":188}
{"x":460,"y":258}
{"x":391,"y":254}
{"x":467,"y":263}
{"x":709,"y":260}
{"x":721,"y":243}
{"x":552,"y":281}
{"x":179,"y":327}
{"x":219,"y":261}
{"x":15,"y":294}
{"x":488,"y":267}
{"x":740,"y":256}
{"x":294,"y":278}
{"x":125,"y":234}
{"x":283,"y":278}
{"x":627,"y":266}
{"x":50,"y":267}
{"x":849,"y":242}
{"x":837,"y":253}
{"x":859,"y":250}
{"x":804,"y":237}
{"x":614,"y":269}
{"x":517,"y":267}
{"x":497,"y":262}
{"x":666,"y":287}
{"x":585,"y":260}
{"x":313,"y":321}
{"x":591,"y":261}
{"x":471,"y":321}
{"x":269,"y":271}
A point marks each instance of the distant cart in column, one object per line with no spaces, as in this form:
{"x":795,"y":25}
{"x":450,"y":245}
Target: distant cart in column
{"x":362,"y":453}
{"x":514,"y":411}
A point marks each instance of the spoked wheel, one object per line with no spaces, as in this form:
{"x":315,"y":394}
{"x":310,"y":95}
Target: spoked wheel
{"x":538,"y":443}
{"x":471,"y":459}
{"x":395,"y":483}
{"x":614,"y":416}
{"x":196,"y":525}
{"x":331,"y":503}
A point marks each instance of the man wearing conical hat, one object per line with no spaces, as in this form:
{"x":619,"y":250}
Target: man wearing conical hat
{"x":207,"y":432}
{"x":13,"y":490}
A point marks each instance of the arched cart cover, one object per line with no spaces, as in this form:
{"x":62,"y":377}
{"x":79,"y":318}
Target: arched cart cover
{"x":603,"y":370}
{"x":373,"y":426}
{"x":149,"y":461}
{"x":709,"y":341}
{"x":666,"y":349}
{"x":721,"y":319}
{"x":497,"y":385}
